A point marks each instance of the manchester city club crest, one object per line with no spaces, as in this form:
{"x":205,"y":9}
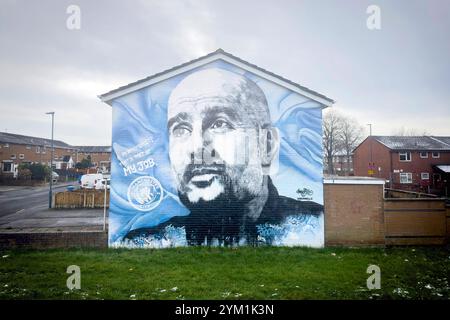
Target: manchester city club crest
{"x":145,"y":193}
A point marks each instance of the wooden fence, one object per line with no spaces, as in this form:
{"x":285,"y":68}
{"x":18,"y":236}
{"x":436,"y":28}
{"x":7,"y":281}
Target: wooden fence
{"x":81,"y":199}
{"x":395,"y":193}
{"x":415,"y":221}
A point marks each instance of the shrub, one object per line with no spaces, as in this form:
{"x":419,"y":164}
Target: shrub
{"x":38,"y":171}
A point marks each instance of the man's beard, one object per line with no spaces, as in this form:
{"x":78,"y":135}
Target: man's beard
{"x":223,"y":218}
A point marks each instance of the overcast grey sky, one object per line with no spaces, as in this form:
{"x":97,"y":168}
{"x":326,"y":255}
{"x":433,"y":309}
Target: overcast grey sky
{"x":395,"y":77}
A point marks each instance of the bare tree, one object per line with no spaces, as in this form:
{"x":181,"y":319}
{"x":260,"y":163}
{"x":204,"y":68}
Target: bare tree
{"x":351,"y":134}
{"x":332,"y":126}
{"x":409,"y":132}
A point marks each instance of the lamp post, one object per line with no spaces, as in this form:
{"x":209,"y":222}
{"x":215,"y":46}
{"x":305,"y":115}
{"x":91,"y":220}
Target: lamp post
{"x":51,"y":164}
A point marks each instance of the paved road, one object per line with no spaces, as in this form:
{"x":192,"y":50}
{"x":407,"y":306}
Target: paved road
{"x":15,"y":199}
{"x":26,"y":209}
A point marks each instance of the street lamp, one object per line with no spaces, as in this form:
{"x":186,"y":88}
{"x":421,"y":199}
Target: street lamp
{"x":51,"y":164}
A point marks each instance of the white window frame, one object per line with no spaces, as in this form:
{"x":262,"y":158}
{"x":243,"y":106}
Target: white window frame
{"x":21,"y":156}
{"x":13,"y":157}
{"x":426,"y":155}
{"x":405,"y":153}
{"x":28,"y":147}
{"x":425,"y":175}
{"x":10,"y":162}
{"x":38,"y":149}
{"x":407,"y":175}
{"x":438,"y":154}
{"x":6,"y":145}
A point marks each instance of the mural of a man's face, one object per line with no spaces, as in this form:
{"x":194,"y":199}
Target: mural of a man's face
{"x":221,"y":143}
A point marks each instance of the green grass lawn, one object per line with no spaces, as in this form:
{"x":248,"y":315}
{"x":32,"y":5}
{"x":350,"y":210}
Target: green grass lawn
{"x":225,"y":273}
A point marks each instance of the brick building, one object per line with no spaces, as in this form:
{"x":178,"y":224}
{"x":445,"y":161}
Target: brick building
{"x":16,"y":149}
{"x":410,"y":163}
{"x":342,"y":164}
{"x":100,"y":156}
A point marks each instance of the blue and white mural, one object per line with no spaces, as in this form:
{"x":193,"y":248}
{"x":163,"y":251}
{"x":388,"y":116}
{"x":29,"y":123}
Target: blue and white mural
{"x":216,"y":156}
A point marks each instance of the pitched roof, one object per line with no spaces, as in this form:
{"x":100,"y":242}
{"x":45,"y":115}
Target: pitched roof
{"x":33,"y":141}
{"x":89,"y":149}
{"x":415,"y":142}
{"x":36,"y":141}
{"x":216,"y":55}
{"x":445,"y":140}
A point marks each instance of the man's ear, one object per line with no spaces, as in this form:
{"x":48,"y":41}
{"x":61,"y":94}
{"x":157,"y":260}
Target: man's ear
{"x":270,"y":146}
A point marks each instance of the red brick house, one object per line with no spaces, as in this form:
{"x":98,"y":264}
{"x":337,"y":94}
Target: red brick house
{"x":409,"y":163}
{"x":16,"y":149}
{"x":342,"y":164}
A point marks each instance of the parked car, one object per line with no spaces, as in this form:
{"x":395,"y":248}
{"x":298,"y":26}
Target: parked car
{"x":100,"y":184}
{"x":88,"y":181}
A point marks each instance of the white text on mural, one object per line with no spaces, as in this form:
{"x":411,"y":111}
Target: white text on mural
{"x":134,"y":159}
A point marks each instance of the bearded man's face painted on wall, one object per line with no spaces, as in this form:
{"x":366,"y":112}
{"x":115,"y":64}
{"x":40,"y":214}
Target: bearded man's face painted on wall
{"x":221,"y":143}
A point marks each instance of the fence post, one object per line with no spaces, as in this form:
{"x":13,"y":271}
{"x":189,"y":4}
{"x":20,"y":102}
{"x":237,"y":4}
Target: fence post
{"x":104,"y":205}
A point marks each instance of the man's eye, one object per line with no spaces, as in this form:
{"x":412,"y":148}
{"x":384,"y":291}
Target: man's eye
{"x":180,"y":131}
{"x":221,"y":125}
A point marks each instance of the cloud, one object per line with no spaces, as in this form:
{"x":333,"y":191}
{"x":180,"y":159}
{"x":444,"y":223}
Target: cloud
{"x":397,"y":76}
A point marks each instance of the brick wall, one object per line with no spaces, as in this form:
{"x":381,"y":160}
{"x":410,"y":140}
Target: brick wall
{"x":48,"y":240}
{"x":387,"y":165}
{"x":416,"y":166}
{"x":32,"y":153}
{"x":40,"y":154}
{"x":354,"y":214}
{"x":96,"y":157}
{"x":368,"y":150}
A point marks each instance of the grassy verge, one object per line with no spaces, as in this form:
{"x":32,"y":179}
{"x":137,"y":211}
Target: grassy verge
{"x":224,"y":273}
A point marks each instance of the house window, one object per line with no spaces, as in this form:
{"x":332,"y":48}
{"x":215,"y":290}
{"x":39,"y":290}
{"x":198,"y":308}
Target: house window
{"x":424,"y":155}
{"x":435,"y":154}
{"x":405,"y":177}
{"x":13,"y":157}
{"x":38,"y":149}
{"x":405,"y":156}
{"x":28,"y":147}
{"x":7,"y":167}
{"x":44,"y":149}
{"x":6,"y":145}
{"x":21,"y":156}
{"x":425,"y":176}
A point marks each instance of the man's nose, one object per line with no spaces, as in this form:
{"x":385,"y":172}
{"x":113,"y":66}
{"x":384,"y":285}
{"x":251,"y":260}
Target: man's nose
{"x":200,"y":144}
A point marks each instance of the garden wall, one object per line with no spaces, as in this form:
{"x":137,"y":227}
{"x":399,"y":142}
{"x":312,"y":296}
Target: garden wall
{"x":357,"y":214}
{"x":47,"y":240}
{"x":354,"y":212}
